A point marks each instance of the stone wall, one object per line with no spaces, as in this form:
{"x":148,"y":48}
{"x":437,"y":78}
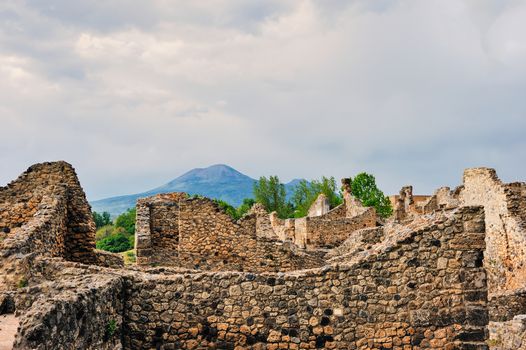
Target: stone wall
{"x":78,"y":308}
{"x":505,"y":208}
{"x":45,"y":211}
{"x":328,"y":229}
{"x":423,"y":289}
{"x":195,"y":233}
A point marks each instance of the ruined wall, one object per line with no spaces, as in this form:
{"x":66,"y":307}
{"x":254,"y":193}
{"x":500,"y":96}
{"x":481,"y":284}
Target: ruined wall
{"x":330,"y":233}
{"x":507,"y":327}
{"x":81,"y":309}
{"x":195,"y":233}
{"x":44,"y":212}
{"x":505,"y":257}
{"x":427,"y":290}
{"x":328,"y":229}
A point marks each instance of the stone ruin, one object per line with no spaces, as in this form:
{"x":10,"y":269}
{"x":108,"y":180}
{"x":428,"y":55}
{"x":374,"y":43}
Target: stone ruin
{"x":445,"y":272}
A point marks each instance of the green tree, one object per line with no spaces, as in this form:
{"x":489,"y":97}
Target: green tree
{"x":245,"y":207}
{"x":364,"y":188}
{"x":305,"y":193}
{"x":230,"y":210}
{"x":271,"y":193}
{"x":101,"y":219}
{"x":127,"y":221}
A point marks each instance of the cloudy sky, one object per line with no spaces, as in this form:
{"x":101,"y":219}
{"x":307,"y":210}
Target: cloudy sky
{"x":134,"y":93}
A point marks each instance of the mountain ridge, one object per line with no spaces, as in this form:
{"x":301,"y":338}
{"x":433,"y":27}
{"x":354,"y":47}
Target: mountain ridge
{"x":218,"y":181}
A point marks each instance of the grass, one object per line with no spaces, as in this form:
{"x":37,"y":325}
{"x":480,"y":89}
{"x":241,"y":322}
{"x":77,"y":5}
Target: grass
{"x":22,"y":283}
{"x":129,"y":257}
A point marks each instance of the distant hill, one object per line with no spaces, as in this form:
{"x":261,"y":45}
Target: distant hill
{"x":217,"y":181}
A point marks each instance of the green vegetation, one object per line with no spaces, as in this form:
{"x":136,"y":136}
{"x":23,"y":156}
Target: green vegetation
{"x":236,"y":213}
{"x":364,"y":188}
{"x":111,"y":328}
{"x":116,"y":243}
{"x":245,"y":207}
{"x":129,"y":257}
{"x":271,"y":194}
{"x":120,"y":236}
{"x":22,"y":283}
{"x":103,"y":219}
{"x":306,"y":193}
{"x":127,"y":221}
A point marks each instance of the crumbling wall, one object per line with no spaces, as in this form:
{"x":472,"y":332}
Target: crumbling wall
{"x":44,"y":212}
{"x":505,"y":257}
{"x":329,"y":228}
{"x":88,"y":316}
{"x":195,"y":233}
{"x":427,"y":290}
{"x":330,"y":233}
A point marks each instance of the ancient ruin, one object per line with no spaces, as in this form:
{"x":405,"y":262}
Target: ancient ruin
{"x":446,"y":271}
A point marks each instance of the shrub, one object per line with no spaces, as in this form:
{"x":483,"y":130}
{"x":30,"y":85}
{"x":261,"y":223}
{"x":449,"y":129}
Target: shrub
{"x":115,"y":243}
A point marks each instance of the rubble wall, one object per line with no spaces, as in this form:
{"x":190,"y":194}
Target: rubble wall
{"x":90,"y":317}
{"x":505,"y":257}
{"x":44,"y":212}
{"x":426,"y":290}
{"x":195,"y":233}
{"x":329,"y":233}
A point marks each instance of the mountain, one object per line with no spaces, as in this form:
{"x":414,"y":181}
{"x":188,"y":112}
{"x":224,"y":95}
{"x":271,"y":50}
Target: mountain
{"x":217,"y":181}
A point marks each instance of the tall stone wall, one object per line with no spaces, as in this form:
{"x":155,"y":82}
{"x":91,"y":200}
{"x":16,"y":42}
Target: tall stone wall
{"x":425,"y":289}
{"x":504,"y":204}
{"x":195,"y":233}
{"x":44,"y":212}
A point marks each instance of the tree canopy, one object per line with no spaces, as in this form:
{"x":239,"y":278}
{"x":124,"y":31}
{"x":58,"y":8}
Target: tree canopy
{"x":101,"y":219}
{"x":271,"y":193}
{"x":305,"y":193}
{"x":364,"y":188}
{"x":127,"y":221}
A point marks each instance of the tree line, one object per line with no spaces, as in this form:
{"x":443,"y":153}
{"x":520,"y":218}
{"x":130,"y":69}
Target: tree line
{"x":118,"y":235}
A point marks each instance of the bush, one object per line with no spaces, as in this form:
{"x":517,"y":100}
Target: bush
{"x":115,"y":243}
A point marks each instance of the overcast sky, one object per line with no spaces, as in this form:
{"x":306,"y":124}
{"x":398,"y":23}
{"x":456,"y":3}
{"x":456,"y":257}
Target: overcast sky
{"x":135,"y":93}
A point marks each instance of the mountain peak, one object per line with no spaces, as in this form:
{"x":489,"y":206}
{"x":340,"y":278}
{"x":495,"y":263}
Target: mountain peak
{"x":212,"y":173}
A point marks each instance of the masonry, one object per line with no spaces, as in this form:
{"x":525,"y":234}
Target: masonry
{"x":203,"y":281}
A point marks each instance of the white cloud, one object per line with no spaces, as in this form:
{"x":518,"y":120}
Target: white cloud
{"x":135,"y":93}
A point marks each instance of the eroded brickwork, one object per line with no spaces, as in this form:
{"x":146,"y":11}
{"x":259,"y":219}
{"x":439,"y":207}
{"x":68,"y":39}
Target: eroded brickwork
{"x":423,"y":289}
{"x":195,"y":233}
{"x":416,"y":283}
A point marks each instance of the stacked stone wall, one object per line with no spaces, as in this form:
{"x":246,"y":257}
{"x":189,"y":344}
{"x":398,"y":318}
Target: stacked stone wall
{"x":44,"y":212}
{"x":426,"y":291}
{"x":329,"y":233}
{"x":195,"y":233}
{"x":505,"y":258}
{"x":90,"y":317}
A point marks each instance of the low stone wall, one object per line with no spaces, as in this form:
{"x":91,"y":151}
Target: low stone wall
{"x":427,"y":290}
{"x":195,"y":233}
{"x":329,"y":233}
{"x":87,"y":316}
{"x":508,"y":335}
{"x":108,"y":259}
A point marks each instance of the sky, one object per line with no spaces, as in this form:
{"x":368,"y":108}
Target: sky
{"x":135,"y":93}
